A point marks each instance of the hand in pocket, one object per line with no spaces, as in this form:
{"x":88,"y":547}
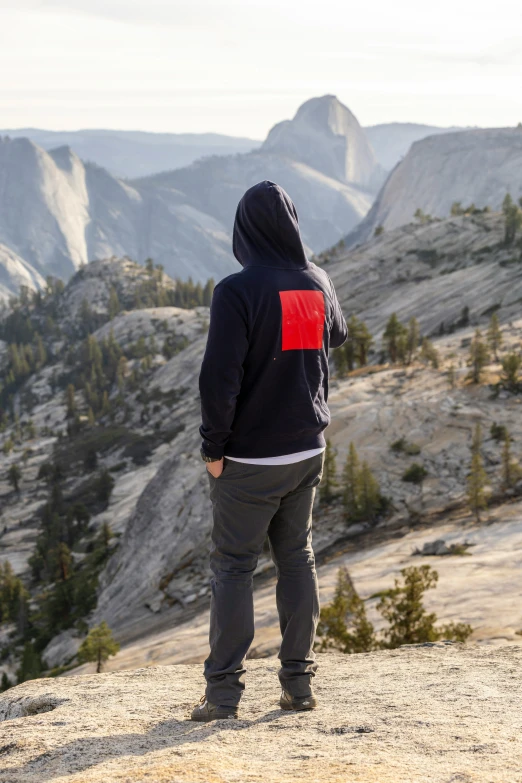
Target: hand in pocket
{"x":215,"y":468}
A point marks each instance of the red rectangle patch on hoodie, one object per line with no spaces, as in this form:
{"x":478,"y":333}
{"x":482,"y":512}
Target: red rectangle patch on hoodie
{"x":302,"y":319}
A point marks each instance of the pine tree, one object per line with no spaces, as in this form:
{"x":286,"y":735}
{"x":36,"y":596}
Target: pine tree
{"x":207,"y":292}
{"x":351,"y":483}
{"x":477,"y":478}
{"x":339,"y":360}
{"x":31,"y":665}
{"x":394,"y":338}
{"x":70,"y":401}
{"x":363,"y":344}
{"x":412,"y":339}
{"x":329,"y":481}
{"x":511,"y":471}
{"x":114,"y":303}
{"x":40,"y":351}
{"x":409,"y":623}
{"x":452,"y":376}
{"x":478,"y":357}
{"x":429,"y":353}
{"x":14,"y":474}
{"x":494,"y":335}
{"x":106,"y":405}
{"x":511,"y":365}
{"x":98,"y":646}
{"x":90,"y":417}
{"x":121,"y":372}
{"x":343,"y":624}
{"x":368,"y":493}
{"x":350,"y":346}
{"x":104,"y":487}
{"x":512,"y":219}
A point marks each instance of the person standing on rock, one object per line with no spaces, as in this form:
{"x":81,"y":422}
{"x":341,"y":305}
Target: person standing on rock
{"x":264,"y":391}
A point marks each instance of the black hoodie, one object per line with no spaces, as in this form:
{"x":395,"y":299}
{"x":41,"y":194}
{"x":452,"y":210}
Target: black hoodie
{"x":264,"y":377}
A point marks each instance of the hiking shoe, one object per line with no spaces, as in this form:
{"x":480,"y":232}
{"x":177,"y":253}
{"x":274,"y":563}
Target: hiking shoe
{"x":205,"y":711}
{"x":288,"y":702}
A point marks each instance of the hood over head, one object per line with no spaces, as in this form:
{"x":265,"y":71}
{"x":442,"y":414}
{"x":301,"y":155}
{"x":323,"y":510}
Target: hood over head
{"x":266,"y":229}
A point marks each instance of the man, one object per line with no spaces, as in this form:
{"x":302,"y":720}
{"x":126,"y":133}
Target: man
{"x":264,"y":387}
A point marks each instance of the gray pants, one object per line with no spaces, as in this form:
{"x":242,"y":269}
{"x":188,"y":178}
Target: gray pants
{"x":250,"y":502}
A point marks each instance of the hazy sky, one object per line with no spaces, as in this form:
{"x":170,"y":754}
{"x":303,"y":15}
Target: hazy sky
{"x":239,"y":66}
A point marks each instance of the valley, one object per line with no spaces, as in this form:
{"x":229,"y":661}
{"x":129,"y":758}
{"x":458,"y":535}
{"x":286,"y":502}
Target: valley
{"x":152,"y":587}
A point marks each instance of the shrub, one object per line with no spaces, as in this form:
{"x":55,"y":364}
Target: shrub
{"x":498,"y":431}
{"x":403,"y":446}
{"x":415,"y":474}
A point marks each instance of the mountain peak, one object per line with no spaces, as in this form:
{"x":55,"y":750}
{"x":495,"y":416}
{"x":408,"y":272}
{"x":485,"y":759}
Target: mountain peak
{"x":326,"y":110}
{"x":326,"y":135}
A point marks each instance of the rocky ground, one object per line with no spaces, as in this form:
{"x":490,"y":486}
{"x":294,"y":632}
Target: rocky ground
{"x":429,"y":714}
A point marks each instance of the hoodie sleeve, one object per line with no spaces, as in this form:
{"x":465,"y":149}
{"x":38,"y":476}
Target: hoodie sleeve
{"x":339,"y":330}
{"x":222,"y":369}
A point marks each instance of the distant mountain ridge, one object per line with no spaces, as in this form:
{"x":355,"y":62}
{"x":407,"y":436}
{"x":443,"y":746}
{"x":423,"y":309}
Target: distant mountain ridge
{"x":392,"y":140}
{"x":58,"y":212}
{"x":130,"y":154}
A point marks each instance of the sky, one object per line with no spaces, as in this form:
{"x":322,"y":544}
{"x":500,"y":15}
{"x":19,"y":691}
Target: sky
{"x":239,"y":66}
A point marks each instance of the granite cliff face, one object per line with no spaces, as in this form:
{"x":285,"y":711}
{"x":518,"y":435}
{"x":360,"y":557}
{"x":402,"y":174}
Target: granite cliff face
{"x":58,"y":213}
{"x":471,"y":166}
{"x":431,"y":271}
{"x":439,"y":713}
{"x":392,"y":140}
{"x":326,"y":136}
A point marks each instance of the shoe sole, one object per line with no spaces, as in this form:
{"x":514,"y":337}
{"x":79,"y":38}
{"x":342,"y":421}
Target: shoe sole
{"x":202,"y":719}
{"x":298,"y":707}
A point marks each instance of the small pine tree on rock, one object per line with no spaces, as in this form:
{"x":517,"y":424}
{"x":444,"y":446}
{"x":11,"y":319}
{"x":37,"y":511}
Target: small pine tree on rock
{"x":98,"y":646}
{"x":478,"y":357}
{"x":369,"y":494}
{"x":494,"y":335}
{"x":512,"y":219}
{"x":14,"y":474}
{"x":408,"y":620}
{"x":477,"y":477}
{"x":511,"y":365}
{"x":429,"y":353}
{"x":340,"y":361}
{"x":350,"y":483}
{"x":343,"y":624}
{"x":5,"y":683}
{"x":412,"y":339}
{"x":511,"y":471}
{"x":394,"y":338}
